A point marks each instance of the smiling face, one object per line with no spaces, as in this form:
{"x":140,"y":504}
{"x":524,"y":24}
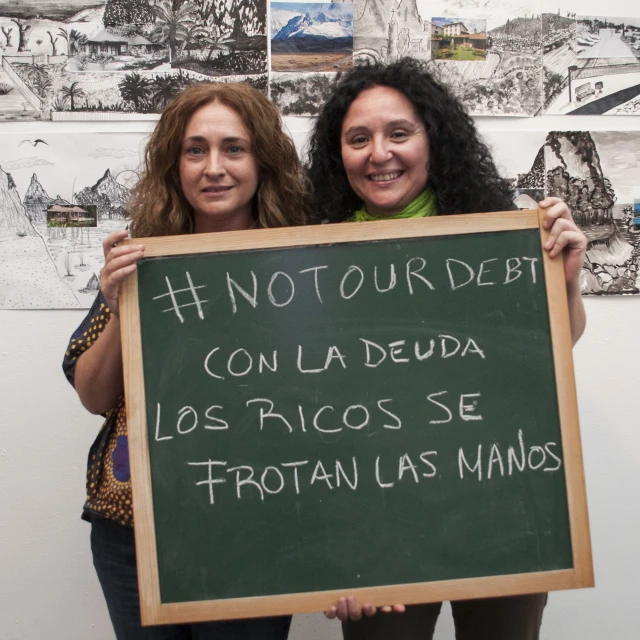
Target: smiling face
{"x":385,"y":150}
{"x":218,"y":171}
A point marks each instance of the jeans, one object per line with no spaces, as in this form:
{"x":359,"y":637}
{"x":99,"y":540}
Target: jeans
{"x":114,"y":557}
{"x":508,"y":618}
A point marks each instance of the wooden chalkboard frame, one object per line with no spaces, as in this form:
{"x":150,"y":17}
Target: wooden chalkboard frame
{"x":153,"y":611}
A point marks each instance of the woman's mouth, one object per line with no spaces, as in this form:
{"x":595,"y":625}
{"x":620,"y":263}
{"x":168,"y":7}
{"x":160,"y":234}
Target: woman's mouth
{"x":216,"y":190}
{"x":385,"y":177}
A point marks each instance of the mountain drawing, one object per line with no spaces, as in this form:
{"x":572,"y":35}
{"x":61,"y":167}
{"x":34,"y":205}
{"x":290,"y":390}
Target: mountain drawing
{"x":13,"y":217}
{"x":36,"y":200}
{"x":108,"y":195}
{"x":377,"y":14}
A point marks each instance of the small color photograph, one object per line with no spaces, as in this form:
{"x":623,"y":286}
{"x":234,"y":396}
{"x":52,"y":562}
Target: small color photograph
{"x":458,"y":39}
{"x":72,"y":215}
{"x":311,"y":36}
{"x":633,"y":221}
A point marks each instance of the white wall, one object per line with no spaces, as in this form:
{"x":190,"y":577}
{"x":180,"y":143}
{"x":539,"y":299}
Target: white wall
{"x":48,"y":588}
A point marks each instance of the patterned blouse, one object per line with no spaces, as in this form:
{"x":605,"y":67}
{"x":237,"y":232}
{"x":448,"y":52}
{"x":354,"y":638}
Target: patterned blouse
{"x":108,"y":478}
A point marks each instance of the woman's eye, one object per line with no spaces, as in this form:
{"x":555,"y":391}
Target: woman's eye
{"x":359,"y":140}
{"x":195,"y":151}
{"x":399,"y":135}
{"x":234,"y":150}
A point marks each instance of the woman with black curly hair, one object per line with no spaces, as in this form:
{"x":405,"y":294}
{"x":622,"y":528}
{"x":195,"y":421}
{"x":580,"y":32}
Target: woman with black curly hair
{"x":461,"y":173}
{"x":391,"y":142}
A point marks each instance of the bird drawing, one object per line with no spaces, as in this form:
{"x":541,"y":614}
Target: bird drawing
{"x":34,"y":142}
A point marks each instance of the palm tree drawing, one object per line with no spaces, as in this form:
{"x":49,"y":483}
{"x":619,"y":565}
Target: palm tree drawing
{"x":134,"y":88}
{"x":172,"y":24}
{"x":163,"y":89}
{"x":71,"y":93}
{"x":74,"y":39}
{"x":217,"y":41}
{"x":192,"y":32}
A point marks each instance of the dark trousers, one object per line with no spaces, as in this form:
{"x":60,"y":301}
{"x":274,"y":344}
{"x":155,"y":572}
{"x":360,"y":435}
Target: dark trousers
{"x":114,"y":557}
{"x":512,"y":618}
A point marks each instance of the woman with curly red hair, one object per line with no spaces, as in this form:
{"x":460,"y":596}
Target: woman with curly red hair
{"x":218,"y":160}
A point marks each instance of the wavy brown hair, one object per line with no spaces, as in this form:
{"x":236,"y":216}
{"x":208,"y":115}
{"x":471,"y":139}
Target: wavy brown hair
{"x":158,"y":205}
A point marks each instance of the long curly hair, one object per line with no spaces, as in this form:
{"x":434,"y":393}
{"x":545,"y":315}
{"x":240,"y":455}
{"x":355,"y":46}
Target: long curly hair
{"x":158,"y":205}
{"x":461,"y":169}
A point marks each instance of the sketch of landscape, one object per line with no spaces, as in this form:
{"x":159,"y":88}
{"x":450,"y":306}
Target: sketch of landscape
{"x":58,"y":267}
{"x":506,"y":79}
{"x":576,"y":82}
{"x":597,"y":173}
{"x":118,"y":59}
{"x":509,"y":81}
{"x":311,"y":36}
{"x":385,"y":30}
{"x":300,"y":94}
{"x":602,"y":37}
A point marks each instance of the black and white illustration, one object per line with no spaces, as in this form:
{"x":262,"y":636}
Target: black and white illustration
{"x":602,"y":37}
{"x":598,"y":174}
{"x":590,"y":68}
{"x":495,"y":71}
{"x":385,"y":30}
{"x":83,"y":176}
{"x":300,"y":94}
{"x":520,"y":159}
{"x":122,"y":58}
{"x":508,"y":80}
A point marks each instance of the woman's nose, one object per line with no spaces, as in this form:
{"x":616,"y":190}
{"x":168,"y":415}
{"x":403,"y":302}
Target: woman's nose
{"x":380,"y":151}
{"x":214,"y":165}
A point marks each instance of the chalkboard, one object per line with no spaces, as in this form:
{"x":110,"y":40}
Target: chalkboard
{"x":384,"y":409}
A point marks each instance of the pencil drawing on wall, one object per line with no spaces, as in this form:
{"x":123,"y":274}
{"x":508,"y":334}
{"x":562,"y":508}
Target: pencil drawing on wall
{"x":597,"y":174}
{"x":122,"y":58}
{"x":490,"y":57}
{"x":57,"y":204}
{"x":591,"y":65}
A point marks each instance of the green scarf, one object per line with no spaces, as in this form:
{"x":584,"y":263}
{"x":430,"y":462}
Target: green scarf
{"x":423,"y":206}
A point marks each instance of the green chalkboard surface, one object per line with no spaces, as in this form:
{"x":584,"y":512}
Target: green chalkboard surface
{"x":351,"y":415}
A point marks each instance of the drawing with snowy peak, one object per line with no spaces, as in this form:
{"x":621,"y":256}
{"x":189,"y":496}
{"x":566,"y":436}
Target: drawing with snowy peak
{"x":311,"y":36}
{"x":591,"y":65}
{"x":122,"y":59}
{"x":58,"y":202}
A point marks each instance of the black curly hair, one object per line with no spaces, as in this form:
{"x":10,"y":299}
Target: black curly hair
{"x":461,"y":169}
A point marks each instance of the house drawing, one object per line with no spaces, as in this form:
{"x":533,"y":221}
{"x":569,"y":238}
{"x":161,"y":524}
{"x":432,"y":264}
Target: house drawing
{"x":111,"y":44}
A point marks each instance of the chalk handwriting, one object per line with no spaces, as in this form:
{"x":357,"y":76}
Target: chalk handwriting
{"x":173,"y":293}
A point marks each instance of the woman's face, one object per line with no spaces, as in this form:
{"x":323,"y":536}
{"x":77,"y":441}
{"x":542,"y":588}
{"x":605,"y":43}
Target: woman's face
{"x":385,"y":150}
{"x":218,"y":171}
